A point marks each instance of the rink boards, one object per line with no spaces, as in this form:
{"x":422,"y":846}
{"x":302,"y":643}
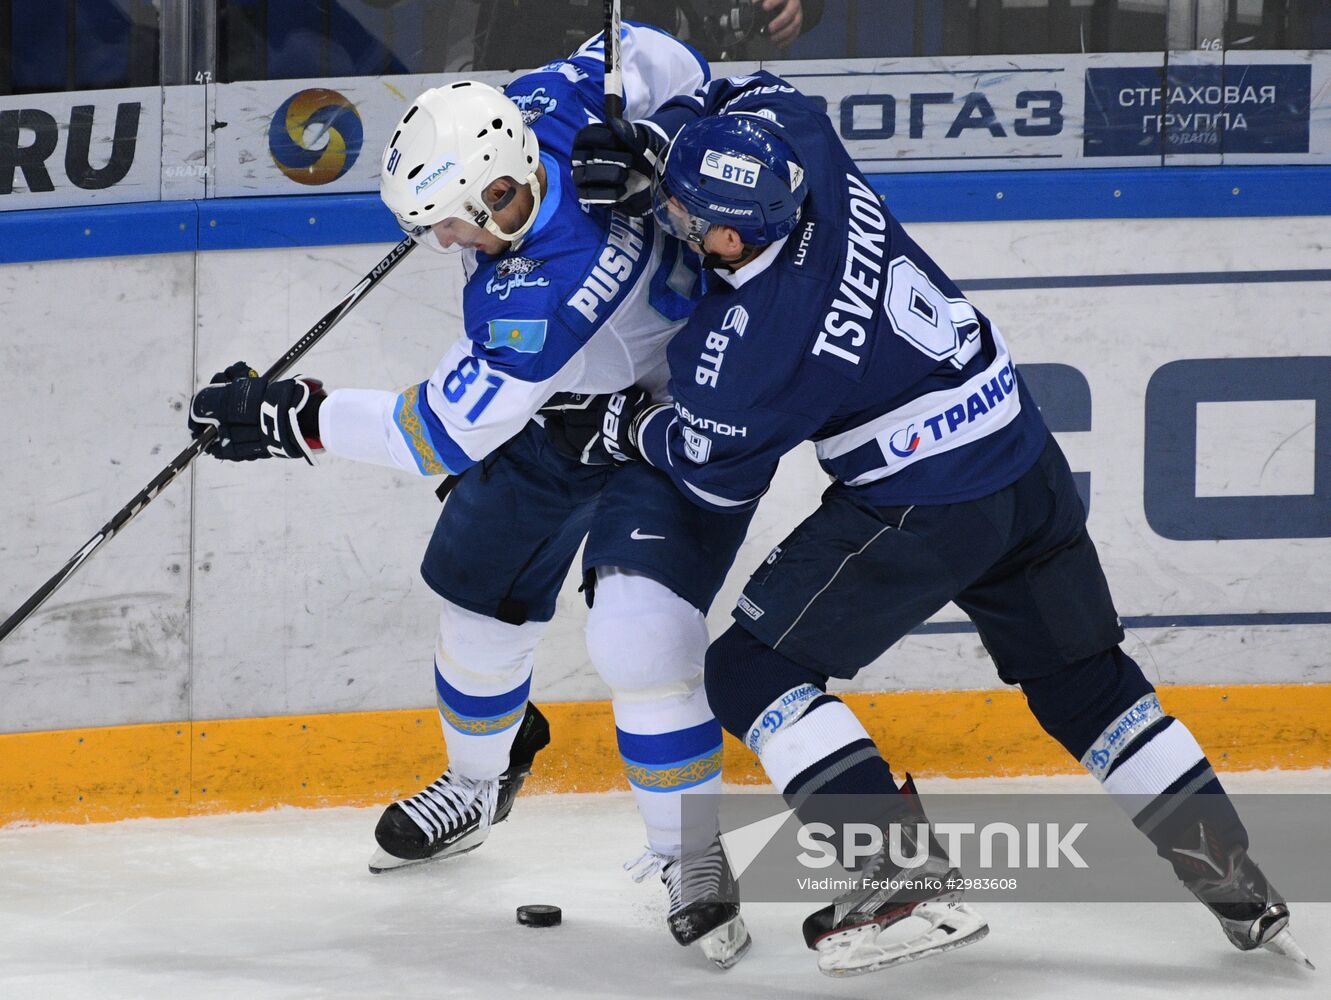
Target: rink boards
{"x":1183,"y":364}
{"x":369,"y":758}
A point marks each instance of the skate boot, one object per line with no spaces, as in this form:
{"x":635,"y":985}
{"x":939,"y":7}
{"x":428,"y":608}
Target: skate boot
{"x":454,"y":814}
{"x":1250,"y":910}
{"x":852,"y":935}
{"x":704,"y":901}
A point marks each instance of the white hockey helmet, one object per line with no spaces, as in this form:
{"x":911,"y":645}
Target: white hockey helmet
{"x":454,"y":142}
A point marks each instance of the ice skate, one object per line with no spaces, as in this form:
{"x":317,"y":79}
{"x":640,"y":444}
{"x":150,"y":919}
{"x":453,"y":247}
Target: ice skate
{"x":872,"y":928}
{"x":454,"y":814}
{"x":704,"y":901}
{"x":1250,"y":910}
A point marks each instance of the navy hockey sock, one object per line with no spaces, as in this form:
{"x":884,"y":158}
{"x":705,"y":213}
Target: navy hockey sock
{"x":1107,"y":715}
{"x":810,"y":743}
{"x":851,"y":785}
{"x":1075,"y":704}
{"x":744,"y":677}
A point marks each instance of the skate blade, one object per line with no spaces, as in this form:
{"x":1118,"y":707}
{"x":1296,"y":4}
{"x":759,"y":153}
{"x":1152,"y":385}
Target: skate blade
{"x":382,"y":861}
{"x":856,"y":951}
{"x":727,"y":944}
{"x":1284,"y":944}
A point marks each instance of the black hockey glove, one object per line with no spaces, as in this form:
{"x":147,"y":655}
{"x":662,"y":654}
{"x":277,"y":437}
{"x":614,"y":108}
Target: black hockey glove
{"x":614,"y":163}
{"x":256,"y":418}
{"x":597,"y":430}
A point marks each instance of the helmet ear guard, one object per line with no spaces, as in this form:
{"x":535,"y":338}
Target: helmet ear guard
{"x":505,"y":200}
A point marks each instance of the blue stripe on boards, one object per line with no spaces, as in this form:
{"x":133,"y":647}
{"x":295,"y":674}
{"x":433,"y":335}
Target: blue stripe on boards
{"x":99,"y":231}
{"x":1133,"y":280}
{"x":299,"y":221}
{"x":1123,"y":193}
{"x":951,"y":196}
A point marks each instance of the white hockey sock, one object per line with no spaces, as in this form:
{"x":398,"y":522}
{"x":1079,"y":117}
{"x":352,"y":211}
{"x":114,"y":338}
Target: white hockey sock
{"x":648,"y":644}
{"x":482,"y":676}
{"x":806,"y":739}
{"x":1160,"y":776}
{"x":479,"y":726}
{"x":671,"y":749}
{"x":1144,"y":752}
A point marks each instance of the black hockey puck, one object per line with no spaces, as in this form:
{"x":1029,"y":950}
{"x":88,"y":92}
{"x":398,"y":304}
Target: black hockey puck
{"x":540,"y":915}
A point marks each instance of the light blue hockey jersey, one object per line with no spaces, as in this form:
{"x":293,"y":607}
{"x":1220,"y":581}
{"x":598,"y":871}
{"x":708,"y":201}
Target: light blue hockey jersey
{"x":586,"y":304}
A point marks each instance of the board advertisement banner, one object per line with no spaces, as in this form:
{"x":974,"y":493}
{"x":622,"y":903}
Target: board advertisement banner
{"x":90,"y":147}
{"x":290,"y":137}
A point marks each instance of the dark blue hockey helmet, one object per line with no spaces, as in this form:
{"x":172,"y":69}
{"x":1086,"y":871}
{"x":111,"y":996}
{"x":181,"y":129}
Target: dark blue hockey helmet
{"x":733,"y":170}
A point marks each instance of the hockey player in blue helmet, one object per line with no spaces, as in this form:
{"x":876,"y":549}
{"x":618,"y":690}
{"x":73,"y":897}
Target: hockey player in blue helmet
{"x":735,"y":173}
{"x":824,"y":321}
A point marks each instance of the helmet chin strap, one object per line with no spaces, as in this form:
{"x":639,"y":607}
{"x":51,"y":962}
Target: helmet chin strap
{"x":516,"y":237}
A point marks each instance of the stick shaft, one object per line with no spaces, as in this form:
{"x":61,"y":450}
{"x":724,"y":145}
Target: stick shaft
{"x":614,"y":78}
{"x":182,"y":461}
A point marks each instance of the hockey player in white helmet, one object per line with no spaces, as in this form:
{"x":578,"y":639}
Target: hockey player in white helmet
{"x":559,"y":303}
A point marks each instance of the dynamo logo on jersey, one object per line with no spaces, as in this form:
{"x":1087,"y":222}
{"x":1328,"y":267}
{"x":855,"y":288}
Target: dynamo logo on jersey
{"x":315,"y":136}
{"x":904,"y":442}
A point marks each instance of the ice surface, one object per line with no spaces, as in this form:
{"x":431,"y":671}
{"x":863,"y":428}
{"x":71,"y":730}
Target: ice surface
{"x":280,"y":905}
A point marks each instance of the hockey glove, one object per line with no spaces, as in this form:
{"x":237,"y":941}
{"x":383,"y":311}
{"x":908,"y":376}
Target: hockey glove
{"x":597,"y":430}
{"x":256,"y":418}
{"x":614,"y":163}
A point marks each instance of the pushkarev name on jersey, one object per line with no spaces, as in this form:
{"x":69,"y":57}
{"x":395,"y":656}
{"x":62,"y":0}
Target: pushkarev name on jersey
{"x":615,"y":264}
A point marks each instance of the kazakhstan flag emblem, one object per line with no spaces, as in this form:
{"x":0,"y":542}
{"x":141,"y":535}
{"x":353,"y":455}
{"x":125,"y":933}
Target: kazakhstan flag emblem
{"x":527,"y":336}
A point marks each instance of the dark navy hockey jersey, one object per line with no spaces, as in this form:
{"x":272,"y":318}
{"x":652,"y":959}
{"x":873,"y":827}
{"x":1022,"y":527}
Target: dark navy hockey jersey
{"x":845,"y":333}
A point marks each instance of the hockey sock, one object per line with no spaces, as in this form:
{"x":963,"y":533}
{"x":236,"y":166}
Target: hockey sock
{"x":810,"y":744}
{"x":479,"y":727}
{"x":1155,"y":769}
{"x":1109,"y":717}
{"x":828,"y":768}
{"x":482,"y":677}
{"x":648,"y":644}
{"x":671,"y":750}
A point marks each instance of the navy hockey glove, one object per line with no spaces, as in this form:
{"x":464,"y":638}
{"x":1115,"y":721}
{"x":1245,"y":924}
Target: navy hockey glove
{"x":256,"y":418}
{"x":614,"y":163}
{"x":597,"y":430}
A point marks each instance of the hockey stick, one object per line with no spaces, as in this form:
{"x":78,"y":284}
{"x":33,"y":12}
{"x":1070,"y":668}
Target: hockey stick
{"x":182,"y":461}
{"x":614,"y":83}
